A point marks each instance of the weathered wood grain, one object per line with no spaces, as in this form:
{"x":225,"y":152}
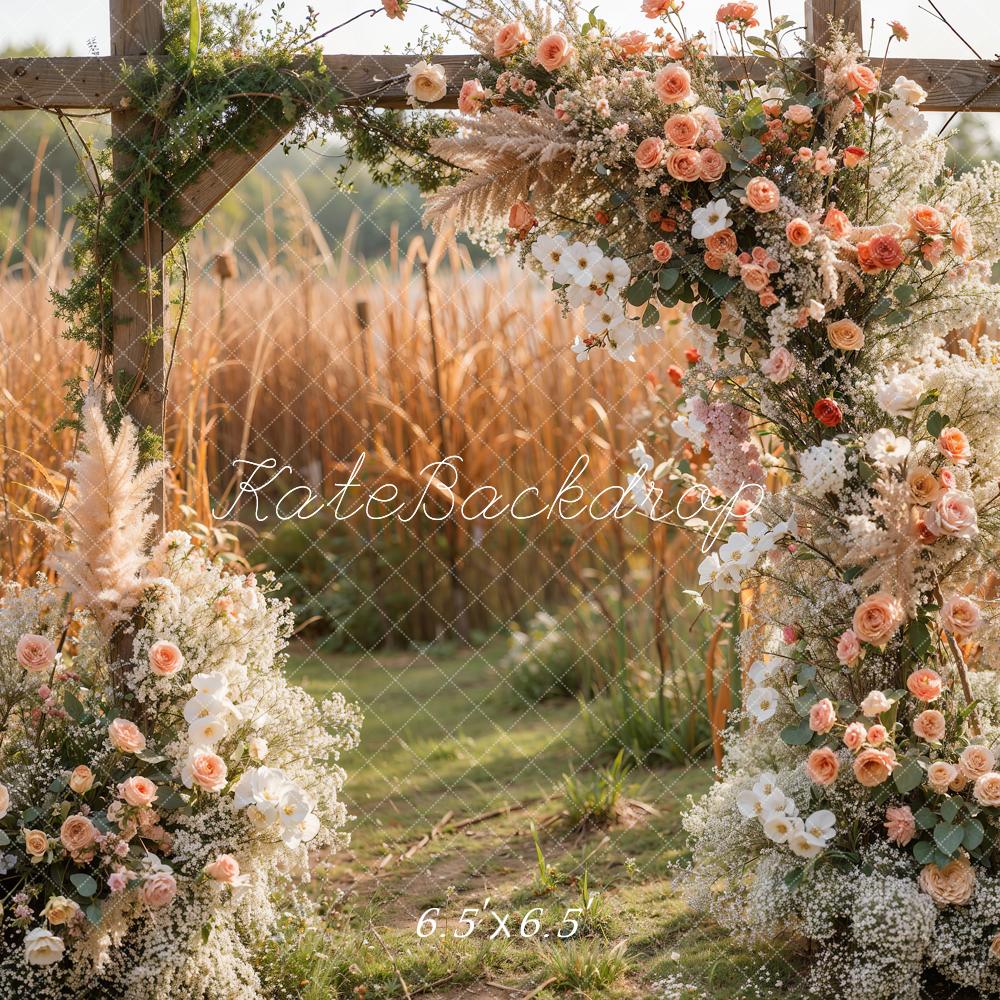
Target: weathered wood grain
{"x":821,"y":14}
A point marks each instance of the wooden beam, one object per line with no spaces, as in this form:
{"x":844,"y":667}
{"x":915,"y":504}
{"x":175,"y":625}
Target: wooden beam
{"x":137,"y":282}
{"x":821,"y":14}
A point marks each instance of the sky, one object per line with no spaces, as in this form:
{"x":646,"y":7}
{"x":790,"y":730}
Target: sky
{"x":75,"y":25}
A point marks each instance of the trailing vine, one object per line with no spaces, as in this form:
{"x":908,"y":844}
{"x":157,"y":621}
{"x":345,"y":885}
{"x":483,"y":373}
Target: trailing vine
{"x":220,"y":83}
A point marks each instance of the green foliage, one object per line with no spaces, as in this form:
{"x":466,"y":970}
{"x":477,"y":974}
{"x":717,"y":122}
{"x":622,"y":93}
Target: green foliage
{"x":593,"y":798}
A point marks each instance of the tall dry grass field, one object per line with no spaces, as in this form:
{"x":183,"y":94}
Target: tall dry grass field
{"x":311,"y":357}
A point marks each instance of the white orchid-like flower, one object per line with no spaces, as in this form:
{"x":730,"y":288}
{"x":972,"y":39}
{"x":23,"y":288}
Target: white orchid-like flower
{"x":710,"y":219}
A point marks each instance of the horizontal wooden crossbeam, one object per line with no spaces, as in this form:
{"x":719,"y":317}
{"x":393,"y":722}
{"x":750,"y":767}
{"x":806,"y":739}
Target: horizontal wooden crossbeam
{"x":92,"y":83}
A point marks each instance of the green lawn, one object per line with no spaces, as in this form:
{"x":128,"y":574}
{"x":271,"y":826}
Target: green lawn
{"x":441,"y":745}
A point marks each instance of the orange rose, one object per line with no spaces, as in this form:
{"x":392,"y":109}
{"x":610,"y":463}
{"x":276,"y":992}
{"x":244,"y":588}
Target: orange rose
{"x":754,"y":277}
{"x":845,"y":335}
{"x":923,"y":484}
{"x":927,"y":220}
{"x":961,"y":236}
{"x":861,"y":78}
{"x":682,"y":130}
{"x":125,"y":736}
{"x":521,"y":216}
{"x":954,"y":445}
{"x":554,"y":51}
{"x":632,"y":43}
{"x":952,"y":885}
{"x":763,"y":194}
{"x":36,"y":843}
{"x":649,"y":153}
{"x":672,"y":84}
{"x":822,"y":766}
{"x":77,"y":834}
{"x":722,"y":242}
{"x":872,"y":767}
{"x":837,"y":223}
{"x":711,"y":166}
{"x":929,"y":725}
{"x":684,"y":164}
{"x":81,"y":780}
{"x":880,"y":253}
{"x":471,"y":97}
{"x":925,"y":684}
{"x":509,"y":39}
{"x":662,"y":252}
{"x":799,"y":232}
{"x":138,"y":791}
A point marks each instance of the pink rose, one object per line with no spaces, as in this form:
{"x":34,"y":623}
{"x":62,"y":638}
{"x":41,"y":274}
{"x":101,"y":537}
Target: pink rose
{"x":953,"y":514}
{"x":554,"y":51}
{"x":662,"y":252}
{"x":848,"y":647}
{"x":205,"y":769}
{"x":165,"y":658}
{"x":822,"y":716}
{"x":822,"y":766}
{"x":877,"y":734}
{"x":116,"y":882}
{"x":684,"y":164}
{"x":77,"y":834}
{"x":975,"y":761}
{"x":225,"y":868}
{"x":158,"y":890}
{"x":763,"y":194}
{"x":799,"y":114}
{"x":925,"y":684}
{"x":649,"y":153}
{"x":929,"y":725}
{"x":138,"y":791}
{"x":672,"y":84}
{"x":877,"y":618}
{"x":711,"y":166}
{"x":471,"y":97}
{"x":509,"y":39}
{"x":855,"y":735}
{"x":875,"y":703}
{"x":872,"y":767}
{"x":779,"y":365}
{"x":682,"y":130}
{"x":900,"y":825}
{"x":35,"y":653}
{"x":125,"y":736}
{"x":960,"y":615}
{"x":789,"y":634}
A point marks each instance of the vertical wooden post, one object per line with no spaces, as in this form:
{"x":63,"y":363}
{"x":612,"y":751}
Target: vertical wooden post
{"x":819,"y":13}
{"x":137,"y":284}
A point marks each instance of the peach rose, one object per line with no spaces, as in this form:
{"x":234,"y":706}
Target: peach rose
{"x":995,"y":947}
{"x":672,"y":84}
{"x":927,"y":220}
{"x":822,"y":716}
{"x":798,"y":232}
{"x":836,"y":223}
{"x":60,"y":910}
{"x":754,"y":277}
{"x":877,"y":618}
{"x":976,"y":760}
{"x":778,"y":365}
{"x":554,"y":51}
{"x":924,"y":488}
{"x":953,"y":514}
{"x":81,"y":780}
{"x":960,"y":615}
{"x":877,"y":734}
{"x":845,"y":335}
{"x":848,"y":647}
{"x":471,"y":97}
{"x":77,"y":833}
{"x":165,"y":658}
{"x":961,"y":236}
{"x":159,"y":889}
{"x":954,"y":445}
{"x":632,"y":43}
{"x":900,"y":826}
{"x":205,"y":769}
{"x":682,"y":130}
{"x":657,"y":8}
{"x":225,"y":868}
{"x":763,"y":194}
{"x":855,"y":735}
{"x":722,"y":242}
{"x":799,"y":114}
{"x":872,"y":767}
{"x":822,"y":766}
{"x":881,"y":253}
{"x":940,"y":775}
{"x":138,"y":791}
{"x":684,"y":164}
{"x":649,"y":153}
{"x":712,"y":166}
{"x":925,"y":684}
{"x":861,"y":78}
{"x":987,"y":789}
{"x":35,"y":653}
{"x":661,"y":252}
{"x":36,"y":843}
{"x":929,"y":725}
{"x":509,"y":39}
{"x":125,"y":736}
{"x":952,"y":885}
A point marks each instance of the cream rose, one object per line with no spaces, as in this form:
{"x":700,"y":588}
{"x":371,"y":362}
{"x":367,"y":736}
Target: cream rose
{"x":159,"y":889}
{"x":923,"y":484}
{"x":42,"y":947}
{"x":940,"y":775}
{"x":960,"y":615}
{"x":125,"y":736}
{"x":81,"y":780}
{"x":953,"y":514}
{"x":845,"y":335}
{"x":138,"y":791}
{"x":875,"y":703}
{"x":4,"y":801}
{"x":929,"y":725}
{"x":975,"y":761}
{"x":35,"y":653}
{"x":987,"y":789}
{"x":165,"y":658}
{"x":60,"y":910}
{"x":427,"y":83}
{"x":952,"y":885}
{"x":36,"y":843}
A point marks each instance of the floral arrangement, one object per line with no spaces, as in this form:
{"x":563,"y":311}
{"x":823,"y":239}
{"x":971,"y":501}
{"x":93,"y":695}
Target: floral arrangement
{"x":160,"y":779}
{"x":802,"y":216}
